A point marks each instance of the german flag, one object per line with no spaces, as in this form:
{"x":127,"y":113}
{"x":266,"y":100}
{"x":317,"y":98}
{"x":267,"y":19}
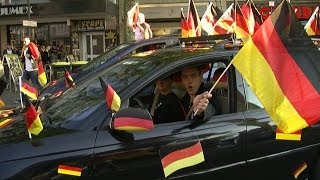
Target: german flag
{"x":180,"y":155}
{"x":296,"y":136}
{"x":131,"y":121}
{"x":184,"y":26}
{"x":193,"y":20}
{"x":300,"y":170}
{"x":2,"y":104}
{"x":224,"y":23}
{"x":29,"y":90}
{"x":133,"y":15}
{"x":112,"y":99}
{"x":68,"y":79}
{"x":241,"y":27}
{"x":313,"y":25}
{"x":42,"y":77}
{"x":281,"y":65}
{"x":69,"y":170}
{"x":34,"y":124}
{"x":5,"y":122}
{"x":252,"y":15}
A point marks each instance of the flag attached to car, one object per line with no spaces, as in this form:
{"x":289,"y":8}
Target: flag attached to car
{"x":112,"y":99}
{"x":29,"y":90}
{"x":34,"y":124}
{"x":5,"y":122}
{"x":69,"y":170}
{"x":313,"y":25}
{"x":295,"y":136}
{"x":68,"y":79}
{"x":180,"y":155}
{"x":42,"y":77}
{"x":299,"y":170}
{"x":281,"y":65}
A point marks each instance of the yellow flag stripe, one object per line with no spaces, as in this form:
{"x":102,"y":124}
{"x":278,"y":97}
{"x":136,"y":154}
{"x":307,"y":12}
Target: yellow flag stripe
{"x":42,"y":79}
{"x":267,"y":88}
{"x":183,"y":163}
{"x":69,"y":172}
{"x":28,"y":93}
{"x":5,"y":123}
{"x":36,"y":126}
{"x":116,"y":103}
{"x":285,"y":136}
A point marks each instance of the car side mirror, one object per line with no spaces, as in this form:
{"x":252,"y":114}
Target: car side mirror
{"x":132,"y":119}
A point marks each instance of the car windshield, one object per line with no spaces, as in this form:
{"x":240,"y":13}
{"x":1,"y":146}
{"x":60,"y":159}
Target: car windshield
{"x":79,"y":104}
{"x":93,"y":64}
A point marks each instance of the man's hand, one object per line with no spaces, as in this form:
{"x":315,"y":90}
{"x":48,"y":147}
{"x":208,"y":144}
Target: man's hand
{"x":200,"y":102}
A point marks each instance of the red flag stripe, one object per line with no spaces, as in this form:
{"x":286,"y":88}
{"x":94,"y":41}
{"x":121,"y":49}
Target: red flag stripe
{"x":110,"y":96}
{"x":70,"y":168}
{"x":32,"y":115}
{"x":287,"y":65}
{"x":133,"y":122}
{"x":181,"y":154}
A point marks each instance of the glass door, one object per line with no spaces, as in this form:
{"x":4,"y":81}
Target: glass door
{"x":93,"y":44}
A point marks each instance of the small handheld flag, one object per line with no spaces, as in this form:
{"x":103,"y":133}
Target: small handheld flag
{"x":34,"y":124}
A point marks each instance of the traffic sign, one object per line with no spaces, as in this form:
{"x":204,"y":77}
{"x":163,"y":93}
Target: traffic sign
{"x":29,"y":23}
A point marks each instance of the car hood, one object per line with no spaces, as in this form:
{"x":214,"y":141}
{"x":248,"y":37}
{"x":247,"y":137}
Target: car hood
{"x":15,"y":142}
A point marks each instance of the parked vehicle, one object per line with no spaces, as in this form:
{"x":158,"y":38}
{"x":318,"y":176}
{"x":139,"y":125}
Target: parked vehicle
{"x":237,"y":144}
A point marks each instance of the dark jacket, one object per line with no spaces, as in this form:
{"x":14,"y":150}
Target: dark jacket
{"x":212,"y":109}
{"x":168,"y":109}
{"x":45,"y":57}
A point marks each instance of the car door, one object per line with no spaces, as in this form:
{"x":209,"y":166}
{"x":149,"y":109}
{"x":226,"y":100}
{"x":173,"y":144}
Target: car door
{"x":120,"y":154}
{"x":269,"y":158}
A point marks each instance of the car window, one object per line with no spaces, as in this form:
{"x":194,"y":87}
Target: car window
{"x":79,"y":103}
{"x":103,"y":58}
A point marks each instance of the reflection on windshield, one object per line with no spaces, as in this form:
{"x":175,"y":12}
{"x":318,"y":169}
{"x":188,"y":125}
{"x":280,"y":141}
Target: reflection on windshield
{"x":88,"y":96}
{"x":93,"y":64}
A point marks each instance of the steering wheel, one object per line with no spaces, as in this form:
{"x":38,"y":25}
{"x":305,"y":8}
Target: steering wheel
{"x":142,"y":106}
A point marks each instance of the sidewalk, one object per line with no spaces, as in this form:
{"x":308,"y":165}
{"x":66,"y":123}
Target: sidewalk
{"x":9,"y":98}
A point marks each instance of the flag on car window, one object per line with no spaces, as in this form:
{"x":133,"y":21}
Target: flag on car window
{"x":34,"y":123}
{"x":180,"y":155}
{"x":129,"y":120}
{"x":295,"y":136}
{"x":208,"y":19}
{"x":224,"y":23}
{"x":252,"y":15}
{"x":42,"y":77}
{"x":240,"y":25}
{"x":193,"y":20}
{"x":112,"y":99}
{"x":300,"y":170}
{"x":184,"y":26}
{"x":68,"y":79}
{"x":281,"y":65}
{"x":313,"y":25}
{"x":29,"y":90}
{"x":69,"y":170}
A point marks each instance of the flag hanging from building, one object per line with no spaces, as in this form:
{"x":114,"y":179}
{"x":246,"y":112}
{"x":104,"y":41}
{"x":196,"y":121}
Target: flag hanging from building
{"x":281,"y":65}
{"x":184,"y":26}
{"x":180,"y":155}
{"x":252,"y":15}
{"x":313,"y":25}
{"x":208,"y":19}
{"x":68,"y":79}
{"x":133,"y":15}
{"x":34,"y":124}
{"x":42,"y":77}
{"x":29,"y":90}
{"x":193,"y":20}
{"x":112,"y":99}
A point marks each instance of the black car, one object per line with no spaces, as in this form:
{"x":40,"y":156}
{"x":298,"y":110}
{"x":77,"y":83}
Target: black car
{"x":112,"y":56}
{"x":240,"y":143}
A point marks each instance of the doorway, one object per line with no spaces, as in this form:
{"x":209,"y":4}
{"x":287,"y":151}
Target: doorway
{"x":93,"y":44}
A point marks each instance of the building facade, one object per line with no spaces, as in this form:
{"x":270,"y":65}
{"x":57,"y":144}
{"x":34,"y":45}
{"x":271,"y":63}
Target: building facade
{"x":77,"y":27}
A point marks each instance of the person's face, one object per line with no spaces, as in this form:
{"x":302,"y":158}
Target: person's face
{"x":191,"y":79}
{"x":164,"y":85}
{"x":26,"y":41}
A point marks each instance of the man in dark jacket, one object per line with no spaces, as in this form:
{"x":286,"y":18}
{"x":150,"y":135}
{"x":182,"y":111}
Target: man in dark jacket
{"x":166,"y":105}
{"x":197,"y":97}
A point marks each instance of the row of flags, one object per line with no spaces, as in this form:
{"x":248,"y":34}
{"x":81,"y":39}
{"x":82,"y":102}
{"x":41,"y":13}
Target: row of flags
{"x":244,"y":21}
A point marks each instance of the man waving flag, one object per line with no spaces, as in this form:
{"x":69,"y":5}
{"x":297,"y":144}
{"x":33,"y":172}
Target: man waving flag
{"x":281,"y":65}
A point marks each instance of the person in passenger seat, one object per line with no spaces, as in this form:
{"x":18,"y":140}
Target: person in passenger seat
{"x":197,"y":97}
{"x":166,"y":106}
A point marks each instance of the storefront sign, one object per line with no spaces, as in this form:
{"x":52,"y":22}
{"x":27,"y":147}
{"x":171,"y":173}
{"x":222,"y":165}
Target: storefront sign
{"x":29,"y":23}
{"x":15,"y":10}
{"x":89,"y":25}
